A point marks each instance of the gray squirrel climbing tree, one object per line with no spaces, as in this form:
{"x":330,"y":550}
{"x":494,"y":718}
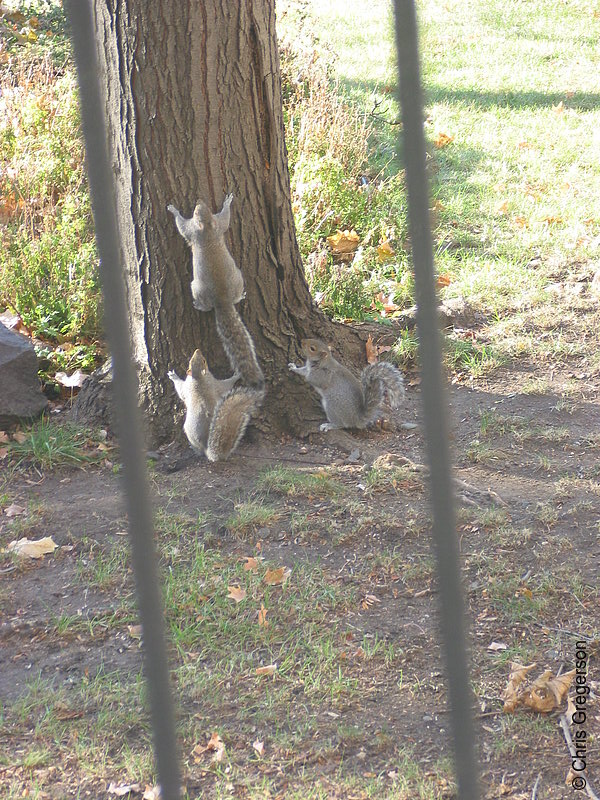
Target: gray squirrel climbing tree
{"x":194,"y":109}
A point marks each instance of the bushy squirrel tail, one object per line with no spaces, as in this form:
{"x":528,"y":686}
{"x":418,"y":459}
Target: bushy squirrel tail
{"x":230,"y":420}
{"x":380,"y":381}
{"x":239,"y":346}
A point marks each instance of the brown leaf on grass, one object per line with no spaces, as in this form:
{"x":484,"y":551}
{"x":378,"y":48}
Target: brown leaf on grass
{"x":214,"y":745}
{"x":4,"y":438}
{"x":559,"y":109}
{"x":275,"y":577}
{"x":262,"y":616}
{"x":443,"y":140}
{"x":550,"y":220}
{"x":501,"y":207}
{"x":385,"y":251}
{"x":251,"y":564}
{"x":271,"y":669}
{"x":520,"y":221}
{"x":512,"y":692}
{"x":343,"y":242}
{"x":152,"y":793}
{"x":548,"y":692}
{"x":33,"y":549}
{"x":386,"y":301}
{"x":4,"y":451}
{"x":14,"y":510}
{"x":545,"y":694}
{"x":369,"y":600}
{"x":444,"y":279}
{"x":20,"y":437}
{"x":135,"y":631}
{"x":236,"y":593}
{"x":371,"y":350}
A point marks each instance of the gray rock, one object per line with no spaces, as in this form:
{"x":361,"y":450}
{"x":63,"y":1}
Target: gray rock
{"x":20,"y":392}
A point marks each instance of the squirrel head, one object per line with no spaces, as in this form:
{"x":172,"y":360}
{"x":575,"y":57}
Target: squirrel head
{"x":202,"y":215}
{"x":314,"y":349}
{"x":198,"y":365}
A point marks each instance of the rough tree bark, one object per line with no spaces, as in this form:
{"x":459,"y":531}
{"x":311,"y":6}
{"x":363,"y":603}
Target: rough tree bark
{"x":193,"y":102}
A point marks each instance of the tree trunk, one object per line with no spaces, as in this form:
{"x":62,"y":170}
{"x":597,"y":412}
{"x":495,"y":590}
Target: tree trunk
{"x":193,"y":102}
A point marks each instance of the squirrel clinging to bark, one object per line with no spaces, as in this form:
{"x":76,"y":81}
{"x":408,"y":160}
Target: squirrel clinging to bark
{"x":217,"y":411}
{"x":347,"y":401}
{"x":217,"y":280}
{"x":217,"y":414}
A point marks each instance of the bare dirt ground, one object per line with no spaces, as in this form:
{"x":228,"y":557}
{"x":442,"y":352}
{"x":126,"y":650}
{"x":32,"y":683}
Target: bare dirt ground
{"x":530,"y":576}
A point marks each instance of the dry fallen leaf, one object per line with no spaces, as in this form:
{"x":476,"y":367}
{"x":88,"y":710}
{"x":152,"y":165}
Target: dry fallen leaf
{"x":371,"y":350}
{"x":270,"y":670}
{"x":385,"y":251}
{"x":444,"y":279}
{"x":14,"y":510}
{"x":33,"y":549}
{"x":135,"y":631}
{"x":497,"y":646}
{"x":251,"y":564}
{"x":124,"y":788}
{"x":262,"y":615}
{"x":258,"y":746}
{"x":501,"y":207}
{"x":512,"y":692}
{"x":442,"y":140}
{"x":343,"y":241}
{"x":217,"y":745}
{"x":275,"y":577}
{"x":152,"y":793}
{"x":559,"y":109}
{"x":236,"y":593}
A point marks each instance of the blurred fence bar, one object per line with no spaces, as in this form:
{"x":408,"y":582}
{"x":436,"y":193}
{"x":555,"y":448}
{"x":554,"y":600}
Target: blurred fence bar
{"x":435,"y":408}
{"x":101,"y":176}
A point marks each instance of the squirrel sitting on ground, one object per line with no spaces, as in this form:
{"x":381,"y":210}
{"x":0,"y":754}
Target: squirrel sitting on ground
{"x":217,"y":411}
{"x":217,"y":278}
{"x":347,"y":401}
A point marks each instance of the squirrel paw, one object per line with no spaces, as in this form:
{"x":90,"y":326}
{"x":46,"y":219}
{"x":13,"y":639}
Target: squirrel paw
{"x":292,"y":366}
{"x":227,"y":201}
{"x":173,"y":375}
{"x":327,"y":426}
{"x":172,"y":209}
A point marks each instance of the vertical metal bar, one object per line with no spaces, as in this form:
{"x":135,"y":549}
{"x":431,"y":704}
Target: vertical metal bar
{"x":435,"y":408}
{"x":100,"y":175}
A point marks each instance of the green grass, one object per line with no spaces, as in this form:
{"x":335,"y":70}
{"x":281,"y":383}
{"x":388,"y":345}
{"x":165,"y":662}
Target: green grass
{"x":48,"y":264}
{"x":48,"y":445}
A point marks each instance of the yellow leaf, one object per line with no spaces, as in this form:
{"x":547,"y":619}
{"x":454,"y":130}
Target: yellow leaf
{"x":236,"y":593}
{"x":262,"y":616}
{"x":343,"y":241}
{"x":559,"y":109}
{"x":502,"y":207}
{"x":521,"y":222}
{"x":443,"y":140}
{"x":33,"y":549}
{"x":274,"y":577}
{"x":385,"y":251}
